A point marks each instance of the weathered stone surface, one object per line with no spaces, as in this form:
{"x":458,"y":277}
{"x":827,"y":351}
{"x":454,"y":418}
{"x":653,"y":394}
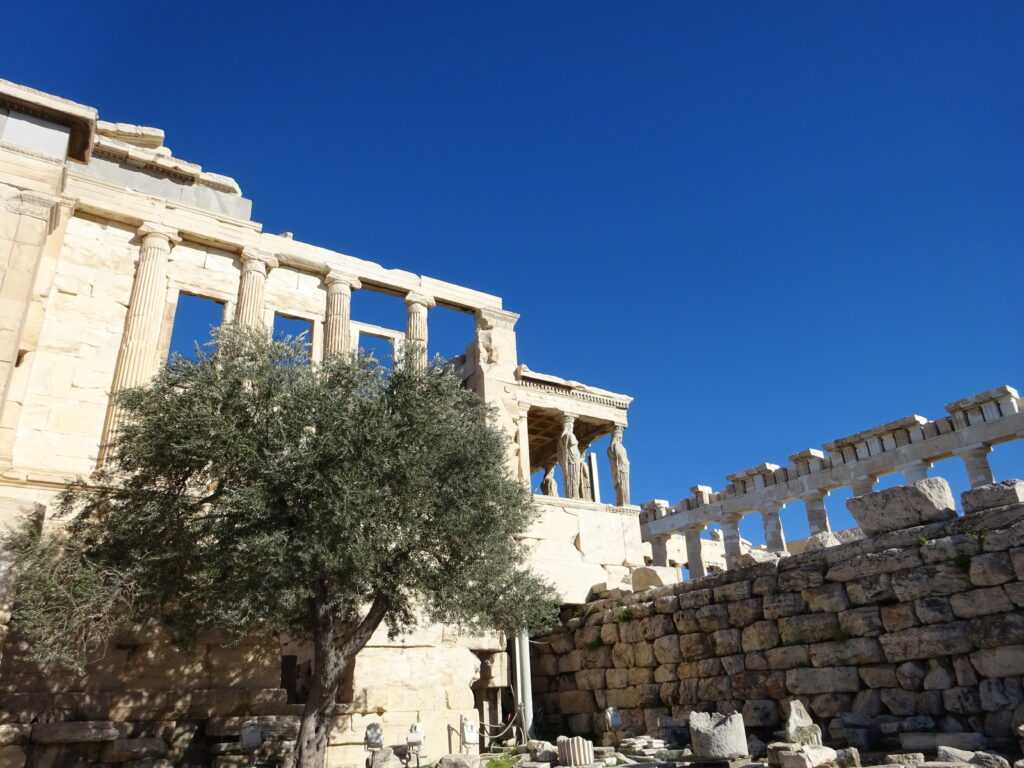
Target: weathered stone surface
{"x":759,"y":636}
{"x":783,"y":604}
{"x":800,"y":728}
{"x":788,"y":656}
{"x":716,"y":735}
{"x":879,"y":676}
{"x":926,"y":501}
{"x":857,"y":650}
{"x":829,"y":598}
{"x":980,"y":602}
{"x":949,"y":547}
{"x":1004,"y":661}
{"x":590,"y":679}
{"x":933,"y":610}
{"x":713,"y":617}
{"x":927,"y":642}
{"x":744,"y":612}
{"x":542,"y":751}
{"x":940,"y":579}
{"x":1000,"y":694}
{"x":14,"y":733}
{"x":458,"y":761}
{"x":123,"y":750}
{"x":823,"y":680}
{"x":904,"y":758}
{"x":809,"y":628}
{"x":861,"y":622}
{"x":898,"y":617}
{"x":990,"y":569}
{"x":874,"y":563}
{"x":72,"y":732}
{"x":13,"y":756}
{"x":998,"y":494}
{"x":759,"y":713}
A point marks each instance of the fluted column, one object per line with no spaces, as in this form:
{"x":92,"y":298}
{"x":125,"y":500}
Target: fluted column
{"x":731,"y":539}
{"x":659,"y":549}
{"x":773,"y":535}
{"x":863,"y":485}
{"x":915,"y":470}
{"x":975,"y":459}
{"x":253,"y":285}
{"x":817,"y":515}
{"x":338,"y":319}
{"x":694,"y":551}
{"x":138,"y":358}
{"x":416,"y":306}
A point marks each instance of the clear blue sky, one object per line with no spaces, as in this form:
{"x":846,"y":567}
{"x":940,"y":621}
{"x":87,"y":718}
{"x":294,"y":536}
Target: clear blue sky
{"x":774,"y":224}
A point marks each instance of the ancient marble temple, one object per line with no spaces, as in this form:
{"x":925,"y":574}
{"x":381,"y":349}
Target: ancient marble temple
{"x":103,"y":235}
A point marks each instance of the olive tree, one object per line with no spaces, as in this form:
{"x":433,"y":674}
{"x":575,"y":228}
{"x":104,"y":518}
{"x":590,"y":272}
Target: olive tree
{"x":250,"y":491}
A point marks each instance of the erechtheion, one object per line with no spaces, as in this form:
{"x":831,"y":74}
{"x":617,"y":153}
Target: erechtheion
{"x":103,"y":232}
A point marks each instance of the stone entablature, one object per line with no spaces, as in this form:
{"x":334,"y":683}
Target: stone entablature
{"x":909,"y":446}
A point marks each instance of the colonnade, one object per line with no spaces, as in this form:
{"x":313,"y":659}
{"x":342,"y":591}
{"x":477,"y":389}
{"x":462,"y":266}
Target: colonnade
{"x":974,"y":457}
{"x":140,"y":356}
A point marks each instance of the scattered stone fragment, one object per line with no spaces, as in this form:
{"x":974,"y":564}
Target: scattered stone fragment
{"x":926,"y":501}
{"x":716,"y":735}
{"x":575,"y":751}
{"x":800,"y":728}
{"x":905,"y":758}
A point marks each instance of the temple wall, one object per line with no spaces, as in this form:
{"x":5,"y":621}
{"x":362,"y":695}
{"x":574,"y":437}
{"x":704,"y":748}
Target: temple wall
{"x":584,"y":548}
{"x":927,"y":620}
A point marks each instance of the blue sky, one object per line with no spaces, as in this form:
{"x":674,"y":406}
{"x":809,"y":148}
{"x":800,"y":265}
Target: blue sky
{"x":773,"y":224}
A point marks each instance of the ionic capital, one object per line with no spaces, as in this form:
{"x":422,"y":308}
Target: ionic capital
{"x":421,"y":299}
{"x":342,"y":281}
{"x":153,"y":230}
{"x":256,"y":260}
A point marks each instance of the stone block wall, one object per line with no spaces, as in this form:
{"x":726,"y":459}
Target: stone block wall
{"x":922,"y":621}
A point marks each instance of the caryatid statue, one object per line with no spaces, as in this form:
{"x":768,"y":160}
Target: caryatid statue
{"x":548,"y":486}
{"x":620,"y":467}
{"x":570,"y":459}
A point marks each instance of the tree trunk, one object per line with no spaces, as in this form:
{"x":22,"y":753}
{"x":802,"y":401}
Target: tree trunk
{"x":335,"y":644}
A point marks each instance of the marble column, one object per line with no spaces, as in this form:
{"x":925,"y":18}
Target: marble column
{"x":138,"y":359}
{"x":252,"y":286}
{"x":863,"y":485}
{"x":731,"y":539}
{"x":774,"y":538}
{"x":694,"y":551}
{"x":975,"y":459}
{"x":416,"y":306}
{"x":915,"y":470}
{"x":659,"y":549}
{"x":817,"y":516}
{"x":338,"y":319}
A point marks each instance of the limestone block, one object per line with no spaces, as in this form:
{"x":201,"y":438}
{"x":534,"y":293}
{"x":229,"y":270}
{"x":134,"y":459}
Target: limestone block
{"x":458,"y":761}
{"x":716,"y":735}
{"x":991,"y":569}
{"x":783,"y":604}
{"x":941,"y":579}
{"x":759,"y":713}
{"x":666,"y":649}
{"x":949,"y":547}
{"x":14,"y":733}
{"x":828,"y":598}
{"x":810,"y":680}
{"x":898,"y":617}
{"x":927,"y":642}
{"x":75,"y":731}
{"x":933,"y":610}
{"x":800,"y":728}
{"x":600,"y":537}
{"x":998,"y":494}
{"x":809,"y":628}
{"x":123,"y":750}
{"x":787,"y":657}
{"x":856,"y":650}
{"x":554,"y":523}
{"x":926,"y":501}
{"x":1005,"y":661}
{"x":871,"y":589}
{"x":861,"y":622}
{"x":760,"y":636}
{"x":1000,"y":694}
{"x":940,"y":675}
{"x":561,"y":564}
{"x":576,"y":702}
{"x":745,"y":612}
{"x":632,"y":541}
{"x":997,"y":630}
{"x":654,"y":576}
{"x":980,"y":602}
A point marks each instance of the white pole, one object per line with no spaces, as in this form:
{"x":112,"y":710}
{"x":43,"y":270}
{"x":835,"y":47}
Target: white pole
{"x":526,"y":682}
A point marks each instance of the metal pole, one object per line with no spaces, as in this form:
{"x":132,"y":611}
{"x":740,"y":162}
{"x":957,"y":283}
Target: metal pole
{"x":526,"y":682}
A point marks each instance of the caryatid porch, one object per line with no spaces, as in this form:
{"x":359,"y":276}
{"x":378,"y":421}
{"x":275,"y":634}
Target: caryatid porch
{"x":558,"y":422}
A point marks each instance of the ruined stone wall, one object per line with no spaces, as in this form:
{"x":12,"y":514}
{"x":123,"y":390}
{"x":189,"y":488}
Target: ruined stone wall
{"x":926,"y":620}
